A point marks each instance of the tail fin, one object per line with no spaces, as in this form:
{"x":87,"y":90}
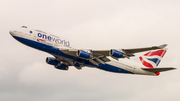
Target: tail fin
{"x":152,"y":58}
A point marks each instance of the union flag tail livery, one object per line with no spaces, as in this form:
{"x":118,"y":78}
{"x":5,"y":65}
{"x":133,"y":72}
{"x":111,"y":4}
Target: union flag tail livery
{"x":66,"y":55}
{"x":152,"y":58}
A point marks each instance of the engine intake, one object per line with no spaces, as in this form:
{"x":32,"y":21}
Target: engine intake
{"x":52,"y":61}
{"x":116,"y":53}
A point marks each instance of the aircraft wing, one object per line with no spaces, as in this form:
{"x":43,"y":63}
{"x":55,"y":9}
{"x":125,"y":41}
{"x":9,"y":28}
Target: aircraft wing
{"x":129,"y":52}
{"x":100,"y":56}
{"x":104,"y":53}
{"x":136,"y":50}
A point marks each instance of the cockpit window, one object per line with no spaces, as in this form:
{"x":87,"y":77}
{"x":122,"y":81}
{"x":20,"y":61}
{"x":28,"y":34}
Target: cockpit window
{"x":23,"y":27}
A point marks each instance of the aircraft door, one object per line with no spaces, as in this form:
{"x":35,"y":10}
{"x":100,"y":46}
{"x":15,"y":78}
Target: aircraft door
{"x":34,"y":37}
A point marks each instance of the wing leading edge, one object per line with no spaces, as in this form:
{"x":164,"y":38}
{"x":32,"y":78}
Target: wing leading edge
{"x":129,"y":52}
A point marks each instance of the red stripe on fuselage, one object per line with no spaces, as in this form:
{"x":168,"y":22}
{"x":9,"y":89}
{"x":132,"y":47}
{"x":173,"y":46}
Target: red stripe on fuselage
{"x":41,"y":40}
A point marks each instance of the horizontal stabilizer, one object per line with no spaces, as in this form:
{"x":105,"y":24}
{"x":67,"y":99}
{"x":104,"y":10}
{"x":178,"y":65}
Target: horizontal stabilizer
{"x":158,"y":69}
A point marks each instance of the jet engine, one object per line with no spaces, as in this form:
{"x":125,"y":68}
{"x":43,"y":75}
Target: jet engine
{"x":76,"y":64}
{"x":56,"y":63}
{"x":83,"y":54}
{"x":116,"y":53}
{"x":62,"y":66}
{"x":52,"y":61}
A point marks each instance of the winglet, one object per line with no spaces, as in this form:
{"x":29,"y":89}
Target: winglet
{"x":162,"y":46}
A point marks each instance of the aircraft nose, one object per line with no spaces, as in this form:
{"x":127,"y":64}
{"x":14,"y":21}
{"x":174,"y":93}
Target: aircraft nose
{"x":11,"y":32}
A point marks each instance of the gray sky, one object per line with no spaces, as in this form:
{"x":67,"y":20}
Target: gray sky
{"x":96,"y":24}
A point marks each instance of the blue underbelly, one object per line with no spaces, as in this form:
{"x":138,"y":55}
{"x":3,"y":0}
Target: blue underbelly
{"x":56,"y":51}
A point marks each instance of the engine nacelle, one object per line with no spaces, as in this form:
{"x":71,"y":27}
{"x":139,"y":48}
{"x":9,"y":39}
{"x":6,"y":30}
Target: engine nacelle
{"x":52,"y":61}
{"x":62,"y":66}
{"x":116,"y":53}
{"x":83,"y":54}
{"x":76,"y":64}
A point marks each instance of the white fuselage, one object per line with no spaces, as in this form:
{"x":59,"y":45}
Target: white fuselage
{"x":52,"y":44}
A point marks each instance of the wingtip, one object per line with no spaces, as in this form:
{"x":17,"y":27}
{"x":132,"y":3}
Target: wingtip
{"x":173,"y":68}
{"x":162,"y":46}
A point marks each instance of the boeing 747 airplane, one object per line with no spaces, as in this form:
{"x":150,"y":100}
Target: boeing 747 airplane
{"x":65,"y":54}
